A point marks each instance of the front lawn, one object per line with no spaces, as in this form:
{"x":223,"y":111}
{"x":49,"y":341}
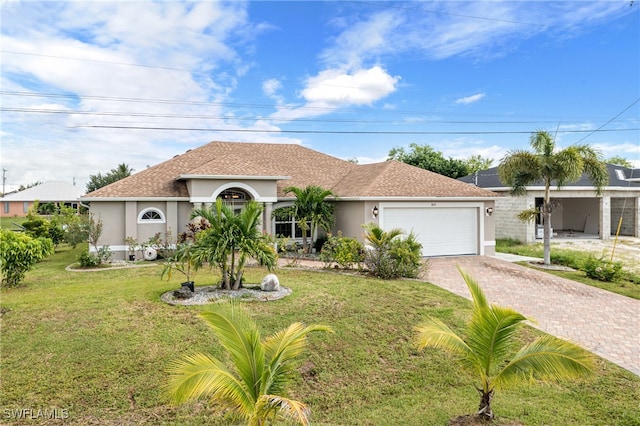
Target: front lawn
{"x":96,"y":344}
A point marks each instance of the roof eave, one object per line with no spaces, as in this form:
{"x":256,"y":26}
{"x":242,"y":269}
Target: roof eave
{"x":231,"y":177}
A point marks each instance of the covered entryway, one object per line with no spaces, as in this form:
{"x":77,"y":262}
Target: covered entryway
{"x":443,"y":230}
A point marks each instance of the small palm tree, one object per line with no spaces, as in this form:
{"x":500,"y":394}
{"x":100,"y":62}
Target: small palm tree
{"x":255,"y":388}
{"x":489,"y":340}
{"x":519,"y":169}
{"x":311,"y":208}
{"x":231,"y":235}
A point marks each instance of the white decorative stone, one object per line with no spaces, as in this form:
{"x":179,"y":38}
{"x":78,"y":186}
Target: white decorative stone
{"x":270,"y":283}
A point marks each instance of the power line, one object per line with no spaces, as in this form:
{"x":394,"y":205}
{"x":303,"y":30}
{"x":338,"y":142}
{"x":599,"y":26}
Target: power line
{"x":617,"y":115}
{"x":266,"y":106}
{"x":341,"y":132}
{"x":253,"y":118}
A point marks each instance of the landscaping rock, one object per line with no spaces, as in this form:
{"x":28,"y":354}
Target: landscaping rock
{"x":183,"y":293}
{"x":270,"y":283}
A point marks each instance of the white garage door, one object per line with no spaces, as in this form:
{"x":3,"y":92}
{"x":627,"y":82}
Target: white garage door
{"x":442,"y":231}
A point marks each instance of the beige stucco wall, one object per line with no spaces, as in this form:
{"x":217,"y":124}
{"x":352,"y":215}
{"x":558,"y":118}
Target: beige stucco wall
{"x":112,"y":215}
{"x":350,"y":216}
{"x":205,"y":188}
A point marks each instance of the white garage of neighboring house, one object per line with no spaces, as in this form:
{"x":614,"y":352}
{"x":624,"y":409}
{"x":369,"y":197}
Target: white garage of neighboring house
{"x":577,"y":211}
{"x":448,"y":217}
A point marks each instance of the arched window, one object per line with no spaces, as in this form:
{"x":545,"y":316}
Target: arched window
{"x":151,"y":215}
{"x":235,"y":198}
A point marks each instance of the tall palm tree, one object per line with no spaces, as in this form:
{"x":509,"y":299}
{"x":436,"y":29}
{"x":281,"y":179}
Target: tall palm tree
{"x":488,"y":344}
{"x":231,"y":235}
{"x":263,"y":369}
{"x":519,"y":169}
{"x":311,"y":208}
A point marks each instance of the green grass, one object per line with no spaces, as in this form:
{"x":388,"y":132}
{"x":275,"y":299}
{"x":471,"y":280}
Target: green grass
{"x":628,"y":286}
{"x":82,"y":341}
{"x":8,"y":222}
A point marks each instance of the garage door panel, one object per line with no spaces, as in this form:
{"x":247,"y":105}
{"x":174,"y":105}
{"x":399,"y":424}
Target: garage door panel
{"x":444,"y":231}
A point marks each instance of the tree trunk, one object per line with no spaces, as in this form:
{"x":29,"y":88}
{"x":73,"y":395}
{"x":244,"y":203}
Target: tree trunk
{"x":484,"y":409}
{"x":546,"y":222}
{"x":237,"y":285}
{"x":225,"y":279}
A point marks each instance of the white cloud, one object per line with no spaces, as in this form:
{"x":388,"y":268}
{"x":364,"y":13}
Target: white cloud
{"x":336,"y":88}
{"x":470,"y":99}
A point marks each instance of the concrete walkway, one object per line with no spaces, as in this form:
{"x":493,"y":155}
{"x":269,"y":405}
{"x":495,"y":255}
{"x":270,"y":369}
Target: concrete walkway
{"x":605,"y":323}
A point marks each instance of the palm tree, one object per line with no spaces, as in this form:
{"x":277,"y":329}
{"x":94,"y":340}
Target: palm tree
{"x":521,"y":168}
{"x":229,"y":235}
{"x":311,"y":208}
{"x":255,"y":388}
{"x":488,"y":344}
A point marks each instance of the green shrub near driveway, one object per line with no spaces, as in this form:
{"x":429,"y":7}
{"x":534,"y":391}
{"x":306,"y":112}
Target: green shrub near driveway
{"x":602,"y":269}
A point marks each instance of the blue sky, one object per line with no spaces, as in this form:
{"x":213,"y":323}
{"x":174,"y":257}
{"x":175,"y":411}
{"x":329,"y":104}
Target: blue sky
{"x":88,"y":85}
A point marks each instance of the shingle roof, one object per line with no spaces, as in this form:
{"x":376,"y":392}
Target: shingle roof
{"x":396,"y":179}
{"x":47,"y":192}
{"x":302,"y":165}
{"x":489,"y":178}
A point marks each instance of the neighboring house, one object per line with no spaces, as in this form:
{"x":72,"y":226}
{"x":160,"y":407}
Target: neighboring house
{"x":17,"y":204}
{"x":578,"y":211}
{"x":449,"y":217}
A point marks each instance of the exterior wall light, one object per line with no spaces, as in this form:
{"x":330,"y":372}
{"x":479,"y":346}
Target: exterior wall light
{"x":489,"y":211}
{"x":374,"y":211}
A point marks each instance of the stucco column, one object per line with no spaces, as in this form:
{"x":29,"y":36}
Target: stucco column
{"x":604,"y":224}
{"x":266,"y":222}
{"x":172,"y":220}
{"x":197,"y":206}
{"x":207,"y":205}
{"x":131,"y":219}
{"x":636,"y":206}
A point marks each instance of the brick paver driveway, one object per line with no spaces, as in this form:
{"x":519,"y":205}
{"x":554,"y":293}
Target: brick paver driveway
{"x":605,"y":323}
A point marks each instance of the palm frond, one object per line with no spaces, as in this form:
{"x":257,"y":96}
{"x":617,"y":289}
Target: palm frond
{"x":200,"y":375}
{"x":518,"y":169}
{"x":548,"y":358}
{"x":436,"y":334}
{"x":281,"y":351}
{"x":284,"y":407}
{"x":490,"y":334}
{"x":477,"y":295}
{"x":239,"y":335}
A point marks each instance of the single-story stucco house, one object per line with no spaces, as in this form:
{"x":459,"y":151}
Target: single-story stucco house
{"x":448,"y":216}
{"x":578,"y":211}
{"x":17,"y":204}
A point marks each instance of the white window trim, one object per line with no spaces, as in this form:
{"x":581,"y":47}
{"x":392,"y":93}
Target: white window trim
{"x":148,"y":209}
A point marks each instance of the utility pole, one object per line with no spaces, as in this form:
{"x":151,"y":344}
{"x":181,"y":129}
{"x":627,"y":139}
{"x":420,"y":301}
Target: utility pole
{"x":4,"y":179}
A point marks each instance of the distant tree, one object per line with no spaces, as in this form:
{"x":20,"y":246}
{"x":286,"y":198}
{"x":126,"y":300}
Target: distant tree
{"x":475,"y":163}
{"x":114,"y":175}
{"x":353,"y":160}
{"x":619,"y":161}
{"x":521,"y":168}
{"x":29,"y":185}
{"x":427,"y":158}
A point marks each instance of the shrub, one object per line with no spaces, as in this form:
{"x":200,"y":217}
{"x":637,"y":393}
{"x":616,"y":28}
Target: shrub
{"x":603,"y":270}
{"x":346,"y":252}
{"x":88,"y":260}
{"x":390,"y":255}
{"x":18,"y":254}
